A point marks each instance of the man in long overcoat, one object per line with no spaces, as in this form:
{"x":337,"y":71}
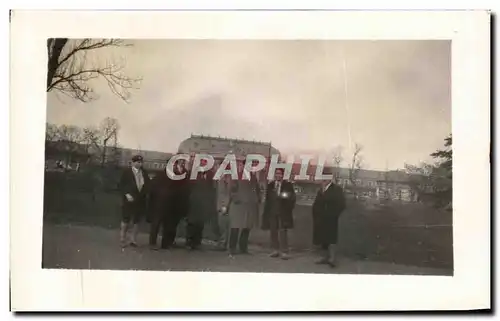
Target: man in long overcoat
{"x":202,"y":207}
{"x":243,"y":199}
{"x":326,"y":210}
{"x":160,"y":202}
{"x":278,"y":213}
{"x":170,"y":203}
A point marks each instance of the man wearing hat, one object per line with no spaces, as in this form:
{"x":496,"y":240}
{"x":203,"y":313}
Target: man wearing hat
{"x":328,"y":206}
{"x":134,"y":187}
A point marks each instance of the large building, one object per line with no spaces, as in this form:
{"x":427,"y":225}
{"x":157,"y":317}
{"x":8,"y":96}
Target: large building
{"x":219,"y":147}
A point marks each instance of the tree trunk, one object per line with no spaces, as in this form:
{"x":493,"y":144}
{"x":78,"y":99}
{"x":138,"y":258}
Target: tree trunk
{"x":103,"y":156}
{"x":57,"y":46}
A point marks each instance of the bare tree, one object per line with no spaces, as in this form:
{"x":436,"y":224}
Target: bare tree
{"x":51,"y":132}
{"x":70,"y":133}
{"x":67,"y":138}
{"x":356,"y":164}
{"x":70,"y":68}
{"x":337,"y":160}
{"x":90,"y":137}
{"x":105,"y":137}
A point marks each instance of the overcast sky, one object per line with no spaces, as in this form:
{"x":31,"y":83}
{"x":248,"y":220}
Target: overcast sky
{"x":395,"y":98}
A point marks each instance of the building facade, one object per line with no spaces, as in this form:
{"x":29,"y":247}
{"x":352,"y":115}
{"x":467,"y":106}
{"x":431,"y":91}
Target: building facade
{"x":219,"y":147}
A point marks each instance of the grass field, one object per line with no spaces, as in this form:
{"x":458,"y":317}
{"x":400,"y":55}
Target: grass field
{"x":408,"y":234}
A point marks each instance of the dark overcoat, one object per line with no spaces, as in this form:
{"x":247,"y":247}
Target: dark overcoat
{"x":202,"y":199}
{"x":326,"y":211}
{"x":127,"y":185}
{"x":279,"y":208}
{"x":179,"y":195}
{"x":159,"y":196}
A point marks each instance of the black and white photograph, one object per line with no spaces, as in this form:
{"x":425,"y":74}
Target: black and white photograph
{"x":269,"y":156}
{"x":118,"y":111}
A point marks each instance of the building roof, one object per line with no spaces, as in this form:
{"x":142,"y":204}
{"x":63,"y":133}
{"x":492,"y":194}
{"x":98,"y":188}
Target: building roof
{"x":221,"y":146}
{"x":236,"y":140}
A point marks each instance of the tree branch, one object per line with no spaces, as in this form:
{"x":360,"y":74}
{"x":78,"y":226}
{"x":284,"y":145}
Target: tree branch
{"x":70,"y":73}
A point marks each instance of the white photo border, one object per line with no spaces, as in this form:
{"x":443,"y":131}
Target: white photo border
{"x":34,"y":288}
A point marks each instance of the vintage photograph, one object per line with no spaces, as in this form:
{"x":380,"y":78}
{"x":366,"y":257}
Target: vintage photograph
{"x":262,"y":156}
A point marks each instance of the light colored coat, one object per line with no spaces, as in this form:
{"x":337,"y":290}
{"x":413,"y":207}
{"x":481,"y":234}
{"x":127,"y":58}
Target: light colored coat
{"x":242,"y":198}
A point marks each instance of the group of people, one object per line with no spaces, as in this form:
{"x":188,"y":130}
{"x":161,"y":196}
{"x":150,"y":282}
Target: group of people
{"x":230,"y":207}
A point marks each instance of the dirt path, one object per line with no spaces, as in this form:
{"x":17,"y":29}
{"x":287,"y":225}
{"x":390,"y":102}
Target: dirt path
{"x":83,"y":247}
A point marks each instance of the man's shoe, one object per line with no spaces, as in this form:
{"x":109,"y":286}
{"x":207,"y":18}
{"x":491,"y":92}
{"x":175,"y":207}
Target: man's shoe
{"x":285,"y":256}
{"x":274,"y":254}
{"x":322,"y":261}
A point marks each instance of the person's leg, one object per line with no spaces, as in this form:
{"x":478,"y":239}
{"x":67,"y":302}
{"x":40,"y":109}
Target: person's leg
{"x":167,"y":235}
{"x":169,"y":225}
{"x":332,"y":251}
{"x":213,"y":223}
{"x":323,"y":255}
{"x":243,"y":242}
{"x":198,"y":237}
{"x":135,"y":231}
{"x":332,"y":246}
{"x":225,"y":231}
{"x":190,"y":234}
{"x":194,"y":231}
{"x":285,"y":251}
{"x":124,"y":224}
{"x":275,"y":245}
{"x":176,"y":215}
{"x":123,"y":233}
{"x":154,"y":229}
{"x":139,"y":212}
{"x":233,"y":240}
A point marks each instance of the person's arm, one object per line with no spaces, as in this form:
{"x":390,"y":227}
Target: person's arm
{"x":154,"y":185}
{"x":316,"y":205}
{"x":258,"y":191}
{"x":267,"y":201}
{"x":223,"y":194}
{"x":125,"y":186}
{"x":293,"y":196}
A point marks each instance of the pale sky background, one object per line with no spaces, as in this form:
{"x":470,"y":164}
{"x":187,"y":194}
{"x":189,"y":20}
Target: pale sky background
{"x":291,"y":93}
